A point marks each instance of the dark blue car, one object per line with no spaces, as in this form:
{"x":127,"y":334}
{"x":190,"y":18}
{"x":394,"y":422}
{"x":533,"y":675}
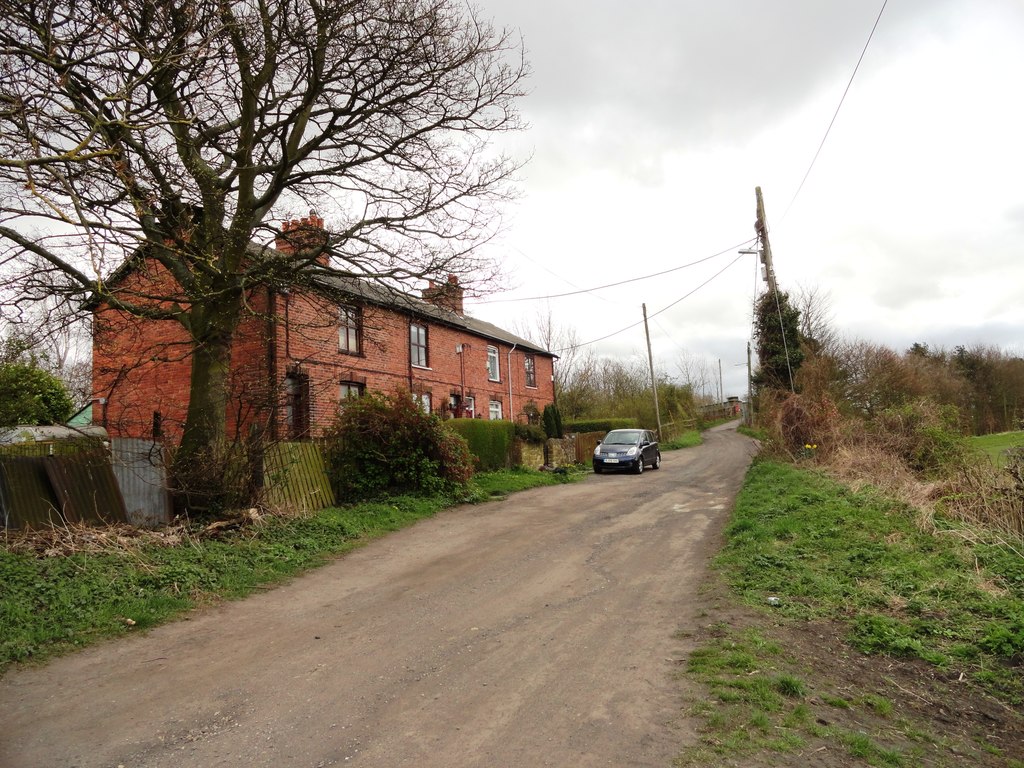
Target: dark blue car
{"x":627,"y":449}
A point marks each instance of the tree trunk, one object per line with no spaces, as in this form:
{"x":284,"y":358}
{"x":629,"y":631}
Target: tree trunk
{"x":203,"y":463}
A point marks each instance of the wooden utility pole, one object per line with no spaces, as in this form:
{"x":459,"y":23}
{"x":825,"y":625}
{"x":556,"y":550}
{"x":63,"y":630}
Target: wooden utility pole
{"x":750,"y":392}
{"x":654,"y":382}
{"x":761,"y":228}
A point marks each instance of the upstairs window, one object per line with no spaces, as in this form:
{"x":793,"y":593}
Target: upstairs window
{"x":530,"y":369}
{"x":418,"y":345}
{"x":493,"y":369}
{"x":350,"y":330}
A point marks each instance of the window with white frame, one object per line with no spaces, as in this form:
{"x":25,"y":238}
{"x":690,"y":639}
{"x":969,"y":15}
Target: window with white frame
{"x":422,"y":399}
{"x":350,"y":390}
{"x":494,"y":412}
{"x":493,"y":367}
{"x":349,"y":329}
{"x":530,"y":369}
{"x":469,"y":407}
{"x":418,"y":345}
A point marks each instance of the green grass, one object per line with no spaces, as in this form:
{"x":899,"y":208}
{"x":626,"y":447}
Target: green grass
{"x":860,"y":562}
{"x":52,"y":605}
{"x":857,"y":558}
{"x":687,"y":439}
{"x":997,"y":445}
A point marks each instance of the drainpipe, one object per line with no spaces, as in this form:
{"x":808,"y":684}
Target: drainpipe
{"x":272,"y":392}
{"x":509,"y":369}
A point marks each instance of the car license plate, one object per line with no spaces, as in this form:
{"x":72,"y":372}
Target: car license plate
{"x":611,"y":461}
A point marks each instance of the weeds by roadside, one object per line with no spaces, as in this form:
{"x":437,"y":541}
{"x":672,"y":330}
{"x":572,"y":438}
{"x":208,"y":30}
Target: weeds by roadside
{"x":871,"y":609}
{"x":67,"y":588}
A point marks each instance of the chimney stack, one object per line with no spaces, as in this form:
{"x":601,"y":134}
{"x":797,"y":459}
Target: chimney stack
{"x":445,"y":295}
{"x":302,"y":234}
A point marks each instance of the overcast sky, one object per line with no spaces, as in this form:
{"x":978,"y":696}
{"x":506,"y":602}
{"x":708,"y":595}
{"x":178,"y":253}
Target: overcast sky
{"x":651,"y":125}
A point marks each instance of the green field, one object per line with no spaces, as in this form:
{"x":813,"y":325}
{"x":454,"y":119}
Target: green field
{"x":997,"y":445}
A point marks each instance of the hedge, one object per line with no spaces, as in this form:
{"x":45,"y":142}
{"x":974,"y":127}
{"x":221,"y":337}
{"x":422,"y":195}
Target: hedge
{"x":601,"y":425}
{"x":489,"y":441}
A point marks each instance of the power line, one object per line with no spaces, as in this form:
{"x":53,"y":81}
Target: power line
{"x":660,"y":311}
{"x":836,"y":114}
{"x":622,"y":282}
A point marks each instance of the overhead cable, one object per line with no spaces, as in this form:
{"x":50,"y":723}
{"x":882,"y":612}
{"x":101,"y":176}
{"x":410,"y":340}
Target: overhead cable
{"x":622,"y":282}
{"x":660,"y":311}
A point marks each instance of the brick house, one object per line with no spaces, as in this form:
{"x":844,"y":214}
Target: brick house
{"x":295,"y":357}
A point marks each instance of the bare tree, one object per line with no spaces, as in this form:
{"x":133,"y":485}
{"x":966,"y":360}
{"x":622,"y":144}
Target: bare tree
{"x":817,"y":331}
{"x":699,"y":375}
{"x":160,"y":137}
{"x":575,"y":369}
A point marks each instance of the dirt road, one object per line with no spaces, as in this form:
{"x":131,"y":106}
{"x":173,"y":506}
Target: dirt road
{"x":536,"y":631}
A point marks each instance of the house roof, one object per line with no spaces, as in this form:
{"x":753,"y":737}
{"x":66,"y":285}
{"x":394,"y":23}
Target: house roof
{"x":380,"y":295}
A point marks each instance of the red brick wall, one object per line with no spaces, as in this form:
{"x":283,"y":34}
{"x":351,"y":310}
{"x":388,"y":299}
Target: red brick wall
{"x":143,"y":366}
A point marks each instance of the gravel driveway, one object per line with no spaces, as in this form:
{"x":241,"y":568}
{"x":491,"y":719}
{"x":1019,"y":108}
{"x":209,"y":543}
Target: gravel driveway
{"x":535,"y":631}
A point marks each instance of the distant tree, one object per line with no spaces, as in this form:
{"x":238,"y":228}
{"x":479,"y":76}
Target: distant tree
{"x":777,"y":340}
{"x":574,"y":369}
{"x":168,"y":132}
{"x":30,"y":395}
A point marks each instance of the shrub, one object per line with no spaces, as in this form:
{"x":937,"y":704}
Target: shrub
{"x":381,"y":444}
{"x":30,"y":395}
{"x":530,"y":433}
{"x":552,"y":421}
{"x":490,"y":442}
{"x":602,"y":425}
{"x":925,"y":435}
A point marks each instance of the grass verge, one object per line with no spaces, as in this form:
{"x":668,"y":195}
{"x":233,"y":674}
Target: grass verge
{"x":862,"y":595}
{"x":49,"y":605}
{"x":997,"y":445}
{"x":687,"y":439}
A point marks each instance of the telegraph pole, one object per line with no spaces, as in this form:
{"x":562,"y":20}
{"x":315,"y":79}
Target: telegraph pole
{"x":654,"y":383}
{"x":761,"y":227}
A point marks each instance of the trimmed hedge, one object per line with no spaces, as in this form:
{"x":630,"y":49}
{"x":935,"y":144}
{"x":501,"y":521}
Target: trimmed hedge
{"x":601,"y":425}
{"x":489,"y":441}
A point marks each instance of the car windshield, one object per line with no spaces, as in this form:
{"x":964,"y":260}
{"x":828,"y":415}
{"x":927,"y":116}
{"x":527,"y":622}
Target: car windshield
{"x":622,"y":437}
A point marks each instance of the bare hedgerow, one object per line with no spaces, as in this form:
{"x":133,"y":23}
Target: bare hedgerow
{"x":801,"y":426}
{"x":984,"y":494}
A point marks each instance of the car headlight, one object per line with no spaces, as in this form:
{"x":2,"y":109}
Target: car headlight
{"x":597,"y":451}
{"x":631,"y":451}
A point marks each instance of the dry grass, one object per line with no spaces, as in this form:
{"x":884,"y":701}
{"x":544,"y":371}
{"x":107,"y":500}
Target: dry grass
{"x":910,"y":455}
{"x":78,"y":538}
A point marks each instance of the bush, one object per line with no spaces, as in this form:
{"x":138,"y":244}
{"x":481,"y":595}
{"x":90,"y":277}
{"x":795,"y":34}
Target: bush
{"x":925,"y":435}
{"x":30,"y":395}
{"x":529,"y":433}
{"x":553,"y":421}
{"x":601,"y":425}
{"x":385,"y":444}
{"x":490,"y":442}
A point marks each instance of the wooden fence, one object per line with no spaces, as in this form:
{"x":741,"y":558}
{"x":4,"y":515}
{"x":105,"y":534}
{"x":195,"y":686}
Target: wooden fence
{"x":53,"y":483}
{"x":294,"y":475}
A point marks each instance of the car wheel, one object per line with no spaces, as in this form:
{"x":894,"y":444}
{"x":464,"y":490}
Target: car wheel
{"x":598,"y":470}
{"x":639,"y":466}
{"x":657,"y":461}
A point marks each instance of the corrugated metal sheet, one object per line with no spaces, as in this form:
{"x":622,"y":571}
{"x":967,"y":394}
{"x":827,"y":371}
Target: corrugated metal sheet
{"x":85,"y":487}
{"x":140,"y":468}
{"x":43,"y":485}
{"x":26,"y":498}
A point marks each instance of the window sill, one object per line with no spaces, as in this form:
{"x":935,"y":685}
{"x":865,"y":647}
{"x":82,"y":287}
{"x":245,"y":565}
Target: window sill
{"x":421,"y":367}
